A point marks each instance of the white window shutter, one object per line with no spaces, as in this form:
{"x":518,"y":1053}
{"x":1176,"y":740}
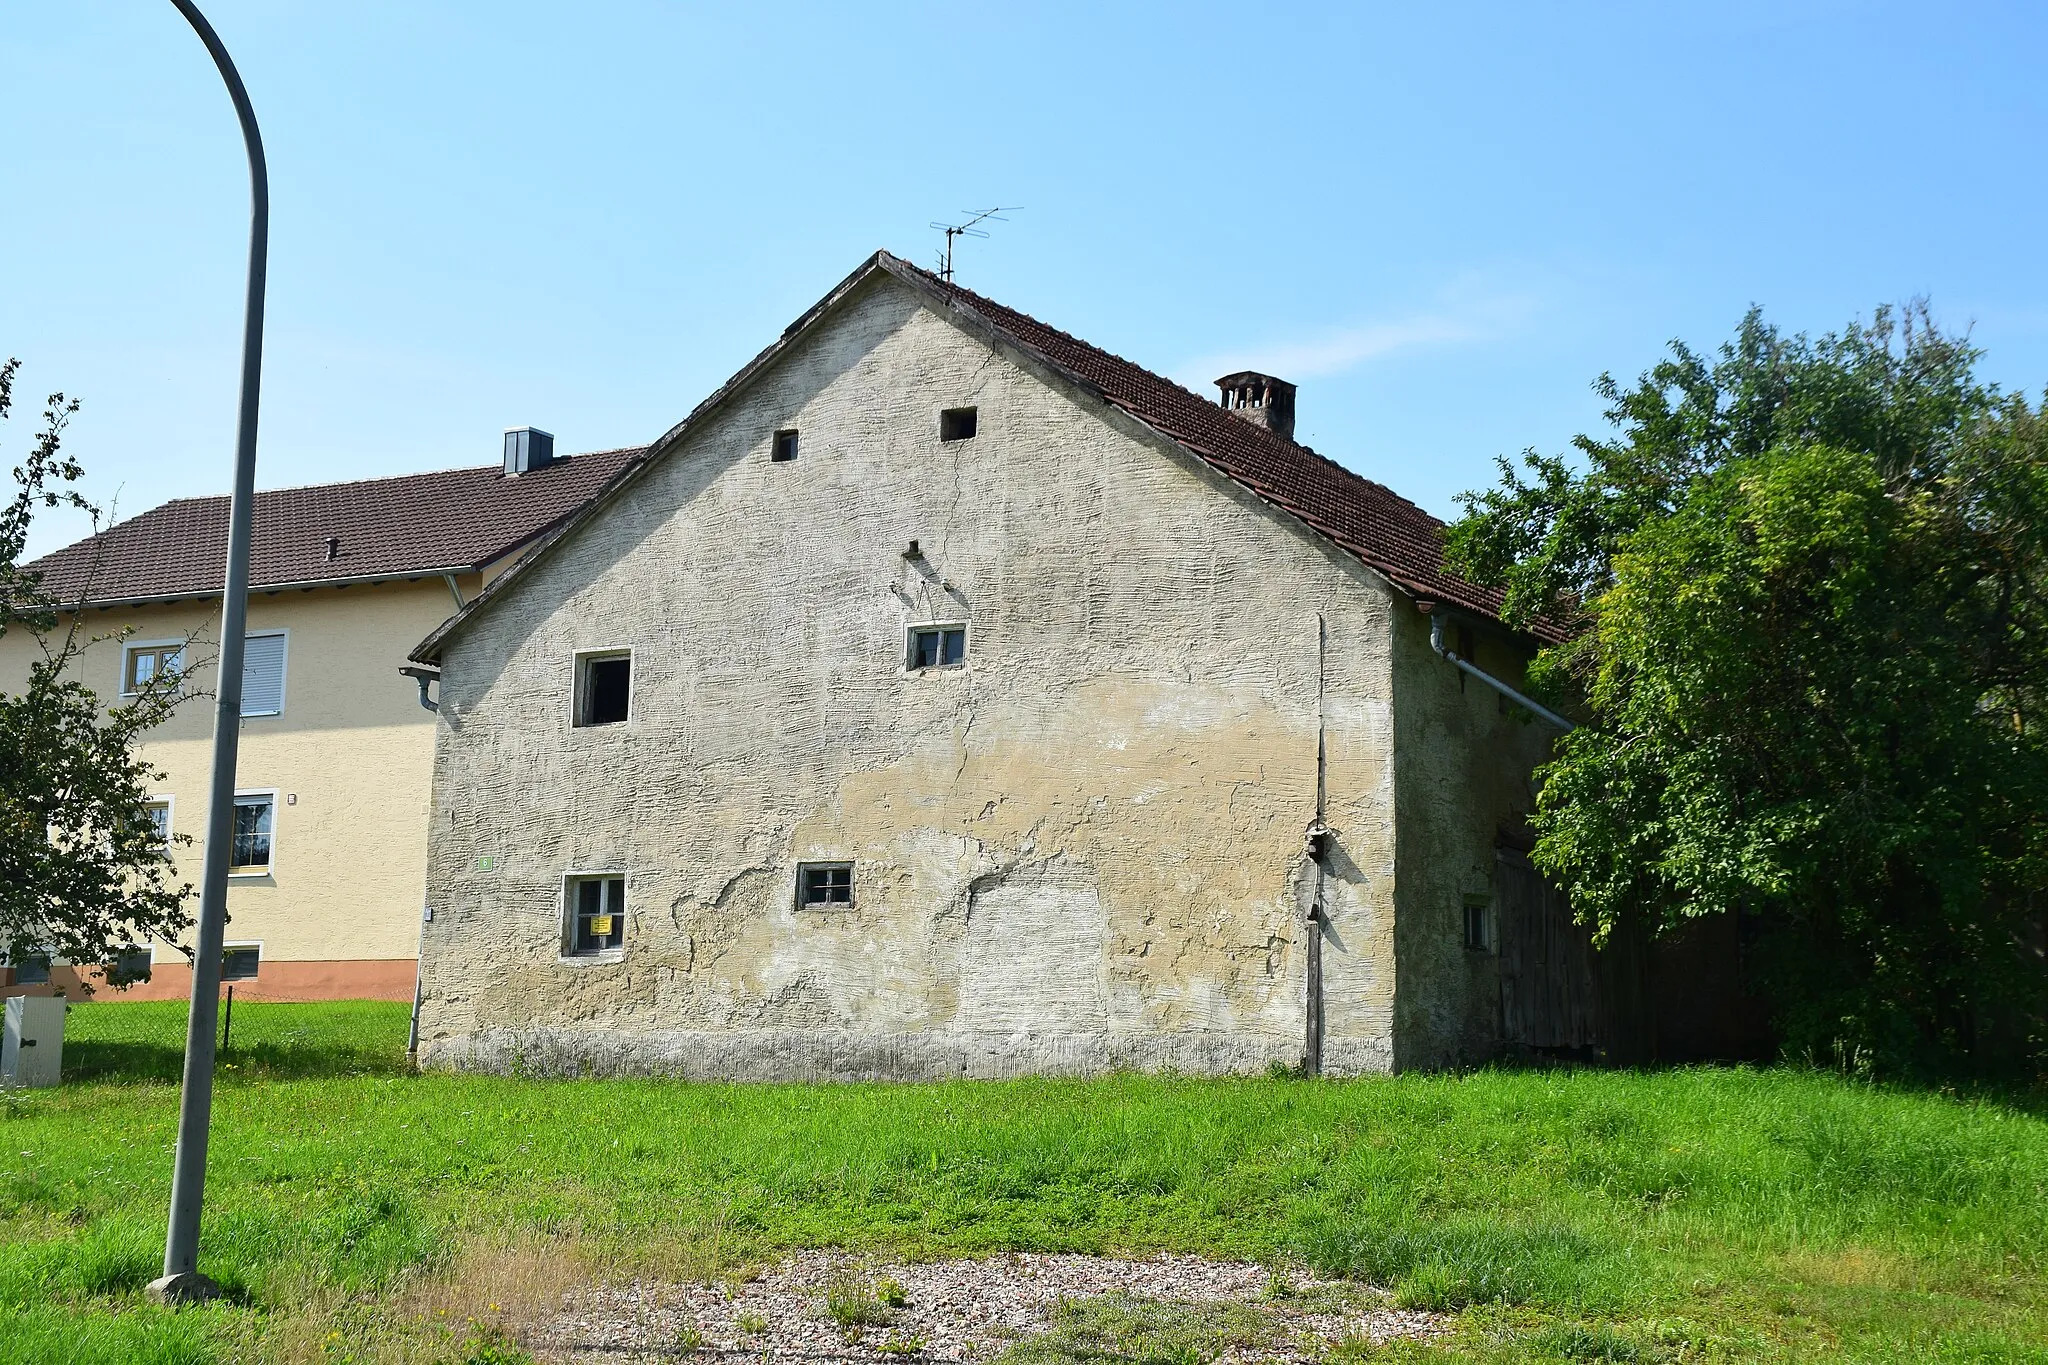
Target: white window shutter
{"x":263,"y":675}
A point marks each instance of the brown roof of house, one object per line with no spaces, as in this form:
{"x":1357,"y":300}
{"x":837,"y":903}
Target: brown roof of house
{"x":449,"y":520}
{"x":1369,"y":520}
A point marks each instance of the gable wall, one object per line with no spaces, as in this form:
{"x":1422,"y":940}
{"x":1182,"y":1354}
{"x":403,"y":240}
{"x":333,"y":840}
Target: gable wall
{"x":1083,"y":849}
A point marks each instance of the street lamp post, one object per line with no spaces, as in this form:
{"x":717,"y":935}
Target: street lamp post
{"x":181,"y":1281}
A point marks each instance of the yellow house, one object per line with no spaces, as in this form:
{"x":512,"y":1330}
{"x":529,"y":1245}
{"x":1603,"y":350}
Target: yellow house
{"x":336,"y":757}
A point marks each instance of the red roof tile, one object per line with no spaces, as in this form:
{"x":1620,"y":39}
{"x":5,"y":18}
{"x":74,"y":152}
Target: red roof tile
{"x":452,"y":519}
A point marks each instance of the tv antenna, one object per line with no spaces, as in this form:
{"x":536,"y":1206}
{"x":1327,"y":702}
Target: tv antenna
{"x":968,"y":229}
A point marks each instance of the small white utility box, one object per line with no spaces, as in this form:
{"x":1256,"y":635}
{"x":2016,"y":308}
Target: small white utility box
{"x":32,"y":1050}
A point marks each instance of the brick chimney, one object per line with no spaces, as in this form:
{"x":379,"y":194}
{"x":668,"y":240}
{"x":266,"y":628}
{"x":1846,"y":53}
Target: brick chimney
{"x":1261,"y":400}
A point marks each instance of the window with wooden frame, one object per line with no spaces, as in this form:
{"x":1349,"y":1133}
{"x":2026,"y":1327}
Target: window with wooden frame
{"x":594,"y":922}
{"x":939,"y":645}
{"x":824,"y":886}
{"x":604,"y":687}
{"x":153,"y":663}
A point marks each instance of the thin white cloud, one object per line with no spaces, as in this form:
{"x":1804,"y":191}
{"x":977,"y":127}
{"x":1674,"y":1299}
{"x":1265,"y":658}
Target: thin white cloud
{"x":1464,"y":312}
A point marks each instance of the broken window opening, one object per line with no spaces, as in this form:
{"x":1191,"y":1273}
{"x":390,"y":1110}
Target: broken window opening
{"x":597,"y":910}
{"x":940,"y":646}
{"x":824,"y":884}
{"x":604,"y":688}
{"x":958,"y":424}
{"x":784,"y":448}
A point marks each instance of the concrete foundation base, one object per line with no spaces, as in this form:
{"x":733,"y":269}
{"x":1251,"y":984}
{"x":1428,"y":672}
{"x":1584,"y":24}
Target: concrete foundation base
{"x":187,"y":1286}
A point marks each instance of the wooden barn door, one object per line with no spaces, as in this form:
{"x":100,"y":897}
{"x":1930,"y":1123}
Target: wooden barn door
{"x":1547,"y":994}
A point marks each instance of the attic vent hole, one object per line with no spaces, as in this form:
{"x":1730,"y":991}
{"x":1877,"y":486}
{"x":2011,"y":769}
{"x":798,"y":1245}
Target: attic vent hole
{"x":957,"y":424}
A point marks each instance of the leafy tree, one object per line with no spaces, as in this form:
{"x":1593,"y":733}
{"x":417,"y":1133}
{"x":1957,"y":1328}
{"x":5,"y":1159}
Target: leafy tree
{"x":1805,"y":584}
{"x":83,"y":870}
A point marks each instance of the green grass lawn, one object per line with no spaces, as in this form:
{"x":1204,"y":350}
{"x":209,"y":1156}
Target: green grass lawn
{"x":1667,"y":1216}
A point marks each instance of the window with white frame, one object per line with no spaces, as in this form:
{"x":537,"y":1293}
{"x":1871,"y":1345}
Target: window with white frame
{"x":255,"y":816}
{"x":263,"y":674}
{"x":159,"y":812}
{"x":131,"y":965}
{"x":155,"y":661}
{"x":240,"y":961}
{"x":595,"y":919}
{"x":604,"y":687}
{"x":942,"y":644}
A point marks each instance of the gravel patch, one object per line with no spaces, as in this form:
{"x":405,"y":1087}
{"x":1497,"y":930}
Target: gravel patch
{"x":966,"y":1311}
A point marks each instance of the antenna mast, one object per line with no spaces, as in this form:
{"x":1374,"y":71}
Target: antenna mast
{"x":968,"y":229}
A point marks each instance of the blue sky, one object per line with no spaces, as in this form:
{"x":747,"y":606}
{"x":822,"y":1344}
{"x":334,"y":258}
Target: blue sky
{"x":1442,"y":221}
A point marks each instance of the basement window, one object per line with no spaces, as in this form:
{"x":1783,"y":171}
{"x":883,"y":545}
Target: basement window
{"x":937,"y":646}
{"x":604,"y":687}
{"x":241,"y":961}
{"x":1478,"y":929}
{"x":131,"y":965}
{"x":820,"y":886}
{"x":596,"y":920}
{"x":32,"y":970}
{"x":957,"y":424}
{"x":784,"y":448}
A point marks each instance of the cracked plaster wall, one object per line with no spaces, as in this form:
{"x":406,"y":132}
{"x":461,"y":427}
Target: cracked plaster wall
{"x":1081,"y":850}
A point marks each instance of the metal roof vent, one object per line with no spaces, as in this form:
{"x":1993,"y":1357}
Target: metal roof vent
{"x":527,"y":449}
{"x":1261,"y":400}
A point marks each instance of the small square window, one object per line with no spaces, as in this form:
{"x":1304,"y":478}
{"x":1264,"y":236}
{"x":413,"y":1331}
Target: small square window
{"x":597,"y":916}
{"x":253,"y":817}
{"x":241,"y":962}
{"x":784,"y":448}
{"x":142,"y":665}
{"x":824,"y":884}
{"x":1478,"y":930}
{"x":604,"y":688}
{"x":943,"y":646}
{"x":32,"y":970}
{"x":957,"y":424}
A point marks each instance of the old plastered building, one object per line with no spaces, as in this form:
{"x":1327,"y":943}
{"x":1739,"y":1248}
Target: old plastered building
{"x":945,"y":696}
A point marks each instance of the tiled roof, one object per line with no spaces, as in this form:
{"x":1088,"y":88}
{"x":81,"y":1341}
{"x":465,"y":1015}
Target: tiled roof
{"x":452,"y":519}
{"x":1368,"y":519}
